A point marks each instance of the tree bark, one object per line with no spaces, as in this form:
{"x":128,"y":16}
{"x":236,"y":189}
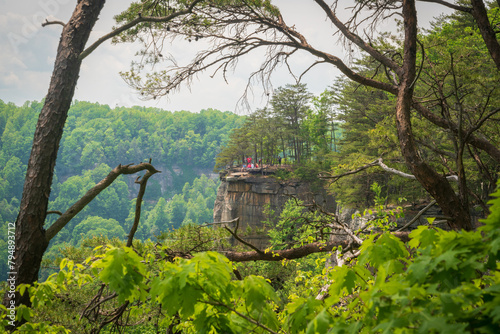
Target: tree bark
{"x":31,"y":242}
{"x":489,"y":36}
{"x":299,"y":252}
{"x":435,"y":184}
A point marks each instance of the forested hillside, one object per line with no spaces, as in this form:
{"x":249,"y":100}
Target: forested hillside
{"x":182,"y":145}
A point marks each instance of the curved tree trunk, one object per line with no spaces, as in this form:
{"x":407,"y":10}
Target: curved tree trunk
{"x":435,"y":184}
{"x":30,"y":238}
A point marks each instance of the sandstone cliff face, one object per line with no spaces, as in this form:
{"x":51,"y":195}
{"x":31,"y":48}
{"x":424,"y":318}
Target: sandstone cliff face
{"x":246,"y":197}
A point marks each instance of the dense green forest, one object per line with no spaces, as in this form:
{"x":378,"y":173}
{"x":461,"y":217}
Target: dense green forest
{"x":182,"y":145}
{"x":415,"y":123}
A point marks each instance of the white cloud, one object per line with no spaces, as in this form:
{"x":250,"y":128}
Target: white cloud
{"x":9,"y":79}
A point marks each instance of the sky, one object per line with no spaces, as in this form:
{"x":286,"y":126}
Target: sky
{"x":28,"y":52}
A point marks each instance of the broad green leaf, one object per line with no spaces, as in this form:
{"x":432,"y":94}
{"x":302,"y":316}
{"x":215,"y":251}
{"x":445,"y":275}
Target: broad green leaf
{"x":450,"y":258}
{"x":422,"y":237}
{"x":320,"y":324}
{"x":344,"y":279}
{"x":123,"y":270}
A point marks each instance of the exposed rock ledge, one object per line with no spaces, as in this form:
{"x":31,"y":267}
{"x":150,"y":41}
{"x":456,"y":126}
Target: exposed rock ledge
{"x":245,"y":195}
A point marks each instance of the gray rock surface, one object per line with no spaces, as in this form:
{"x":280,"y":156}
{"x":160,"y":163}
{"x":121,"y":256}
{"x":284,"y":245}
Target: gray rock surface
{"x":245,"y":197}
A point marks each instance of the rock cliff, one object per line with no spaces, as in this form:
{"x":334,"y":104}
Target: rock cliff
{"x":245,"y":196}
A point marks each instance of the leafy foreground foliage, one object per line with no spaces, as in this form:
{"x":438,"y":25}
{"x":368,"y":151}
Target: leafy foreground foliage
{"x":440,"y":281}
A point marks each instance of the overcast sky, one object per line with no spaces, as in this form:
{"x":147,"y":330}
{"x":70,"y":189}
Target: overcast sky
{"x":28,"y":53}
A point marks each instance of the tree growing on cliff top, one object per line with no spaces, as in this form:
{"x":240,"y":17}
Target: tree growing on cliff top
{"x":238,"y":28}
{"x":290,"y":127}
{"x":290,"y":104}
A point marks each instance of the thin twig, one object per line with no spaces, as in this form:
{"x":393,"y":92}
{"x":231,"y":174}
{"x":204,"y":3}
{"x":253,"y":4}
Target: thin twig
{"x":47,"y":22}
{"x":253,"y":321}
{"x":54,"y":212}
{"x":414,"y":219}
{"x":235,"y":235}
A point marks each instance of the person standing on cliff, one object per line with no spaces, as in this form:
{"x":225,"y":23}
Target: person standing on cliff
{"x":279,"y":160}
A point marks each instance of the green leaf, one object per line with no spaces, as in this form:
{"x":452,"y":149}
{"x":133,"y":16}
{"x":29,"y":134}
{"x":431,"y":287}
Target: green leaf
{"x":320,"y":324}
{"x":63,"y":263}
{"x":300,"y":312}
{"x":123,"y":271}
{"x":450,"y":258}
{"x":420,"y":269}
{"x":390,"y":325}
{"x":386,"y":248}
{"x":23,"y":312}
{"x":422,"y":237}
{"x":344,"y":279}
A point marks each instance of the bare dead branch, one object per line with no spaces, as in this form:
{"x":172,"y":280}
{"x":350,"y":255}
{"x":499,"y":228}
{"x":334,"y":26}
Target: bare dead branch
{"x":417,"y":216}
{"x":340,"y":259}
{"x":88,"y":309}
{"x":278,"y":255}
{"x":251,"y":320}
{"x":237,"y":237}
{"x":349,"y":232}
{"x":115,"y":315}
{"x":386,"y":168}
{"x":96,"y":302}
{"x":47,"y":22}
{"x":92,"y":193}
{"x":138,"y":204}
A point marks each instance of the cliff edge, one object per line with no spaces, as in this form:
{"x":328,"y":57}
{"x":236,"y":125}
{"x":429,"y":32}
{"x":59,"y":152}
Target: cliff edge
{"x":245,"y":195}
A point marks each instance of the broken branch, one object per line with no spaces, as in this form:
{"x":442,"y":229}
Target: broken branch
{"x":296,"y":253}
{"x":138,"y":204}
{"x":414,"y":219}
{"x":47,"y":22}
{"x":386,"y":168}
{"x":92,"y":193}
{"x":233,"y":233}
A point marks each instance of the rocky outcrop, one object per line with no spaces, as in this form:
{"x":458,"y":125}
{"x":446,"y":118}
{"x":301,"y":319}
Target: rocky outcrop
{"x":246,"y":196}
